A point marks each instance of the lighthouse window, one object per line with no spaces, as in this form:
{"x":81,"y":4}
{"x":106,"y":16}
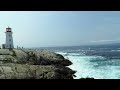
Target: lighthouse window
{"x":10,"y":40}
{"x":9,"y":35}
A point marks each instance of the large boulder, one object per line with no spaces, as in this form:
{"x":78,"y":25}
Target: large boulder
{"x":46,"y":57}
{"x":20,"y":55}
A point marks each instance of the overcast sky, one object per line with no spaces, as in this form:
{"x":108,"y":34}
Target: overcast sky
{"x":60,"y":28}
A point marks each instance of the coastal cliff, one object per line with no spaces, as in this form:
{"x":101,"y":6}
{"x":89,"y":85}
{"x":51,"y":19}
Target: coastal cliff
{"x":32,"y":64}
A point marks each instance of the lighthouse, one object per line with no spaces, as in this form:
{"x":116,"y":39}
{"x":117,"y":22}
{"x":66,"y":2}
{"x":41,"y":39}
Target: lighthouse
{"x":9,"y":38}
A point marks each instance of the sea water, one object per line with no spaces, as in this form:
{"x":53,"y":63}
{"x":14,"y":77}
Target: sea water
{"x":97,"y":62}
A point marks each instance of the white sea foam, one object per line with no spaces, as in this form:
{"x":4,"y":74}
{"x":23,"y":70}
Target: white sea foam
{"x":85,"y":68}
{"x":115,"y":50}
{"x":62,"y":53}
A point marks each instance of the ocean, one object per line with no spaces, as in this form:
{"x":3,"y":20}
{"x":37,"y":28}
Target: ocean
{"x":96,"y":61}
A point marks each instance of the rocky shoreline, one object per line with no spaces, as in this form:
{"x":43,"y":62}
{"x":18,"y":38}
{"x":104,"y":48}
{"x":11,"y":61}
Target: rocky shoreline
{"x":32,"y":64}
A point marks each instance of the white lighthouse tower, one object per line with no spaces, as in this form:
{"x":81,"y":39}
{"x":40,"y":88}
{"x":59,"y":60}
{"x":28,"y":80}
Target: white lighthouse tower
{"x":9,"y":38}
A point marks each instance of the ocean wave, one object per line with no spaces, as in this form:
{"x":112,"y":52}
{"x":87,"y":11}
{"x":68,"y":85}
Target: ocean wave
{"x":115,"y":50}
{"x":62,"y":53}
{"x":86,"y":68}
{"x":76,"y":54}
{"x":96,"y":66}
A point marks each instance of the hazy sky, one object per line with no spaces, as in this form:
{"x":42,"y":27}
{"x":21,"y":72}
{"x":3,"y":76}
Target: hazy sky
{"x":60,"y":28}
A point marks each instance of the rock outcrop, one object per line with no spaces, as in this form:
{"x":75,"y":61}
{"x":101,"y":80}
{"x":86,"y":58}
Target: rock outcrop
{"x":31,"y":64}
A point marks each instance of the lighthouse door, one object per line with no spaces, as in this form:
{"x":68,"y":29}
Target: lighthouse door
{"x":10,"y":45}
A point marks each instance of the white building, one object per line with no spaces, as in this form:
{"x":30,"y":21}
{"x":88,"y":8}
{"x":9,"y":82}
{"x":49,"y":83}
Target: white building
{"x":9,"y":38}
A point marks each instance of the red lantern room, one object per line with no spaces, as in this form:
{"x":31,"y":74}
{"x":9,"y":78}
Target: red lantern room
{"x":8,"y":29}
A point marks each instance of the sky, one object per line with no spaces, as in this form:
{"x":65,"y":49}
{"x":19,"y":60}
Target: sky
{"x":60,"y":28}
